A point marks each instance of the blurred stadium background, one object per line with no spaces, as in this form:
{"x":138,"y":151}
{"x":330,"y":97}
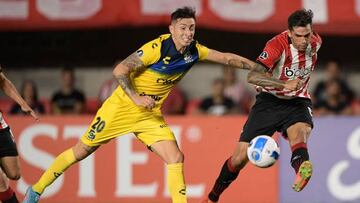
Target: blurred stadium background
{"x":40,"y":37}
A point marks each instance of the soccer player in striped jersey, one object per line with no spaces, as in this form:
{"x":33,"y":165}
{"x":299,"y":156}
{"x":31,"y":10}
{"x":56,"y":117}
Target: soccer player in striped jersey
{"x":9,"y":157}
{"x":282,"y":76}
{"x":146,"y":78}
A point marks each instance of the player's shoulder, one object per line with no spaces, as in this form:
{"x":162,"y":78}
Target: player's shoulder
{"x":281,"y":38}
{"x":157,"y":42}
{"x":197,"y":44}
{"x":279,"y":41}
{"x":153,"y":48}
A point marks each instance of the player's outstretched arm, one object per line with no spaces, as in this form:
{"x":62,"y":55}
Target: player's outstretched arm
{"x":10,"y":90}
{"x":258,"y":76}
{"x":122,"y":73}
{"x":229,"y":59}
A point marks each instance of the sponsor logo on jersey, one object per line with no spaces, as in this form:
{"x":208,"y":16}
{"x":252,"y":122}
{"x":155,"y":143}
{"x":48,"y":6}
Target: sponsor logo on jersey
{"x":163,"y":125}
{"x":188,"y":57}
{"x":165,"y":81}
{"x":140,"y":53}
{"x":264,"y":55}
{"x":154,"y":97}
{"x":91,"y":135}
{"x":295,"y":73}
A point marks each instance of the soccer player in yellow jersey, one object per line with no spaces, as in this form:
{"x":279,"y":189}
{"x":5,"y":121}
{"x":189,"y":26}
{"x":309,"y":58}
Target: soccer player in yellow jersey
{"x":146,"y":78}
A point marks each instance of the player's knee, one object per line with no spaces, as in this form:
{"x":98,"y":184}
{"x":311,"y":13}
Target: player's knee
{"x":302,"y":134}
{"x":298,"y":133}
{"x":177,"y":158}
{"x":15,"y":175}
{"x":239,"y":157}
{"x":81,"y":151}
{"x":238,"y":160}
{"x":306,"y":131}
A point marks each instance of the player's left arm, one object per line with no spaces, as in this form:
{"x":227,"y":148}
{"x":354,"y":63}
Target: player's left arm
{"x":258,"y":76}
{"x":229,"y":59}
{"x":10,"y":90}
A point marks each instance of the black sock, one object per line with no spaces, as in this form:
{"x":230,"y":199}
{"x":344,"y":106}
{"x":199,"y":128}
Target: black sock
{"x":13,"y":199}
{"x":227,"y":175}
{"x":299,"y":155}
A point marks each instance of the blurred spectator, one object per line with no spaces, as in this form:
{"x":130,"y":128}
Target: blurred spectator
{"x":237,"y":91}
{"x":29,"y":93}
{"x":356,"y":106}
{"x":107,"y":89}
{"x":333,"y":71}
{"x":335,"y":103}
{"x":68,"y":100}
{"x":175,"y":103}
{"x":217,"y":104}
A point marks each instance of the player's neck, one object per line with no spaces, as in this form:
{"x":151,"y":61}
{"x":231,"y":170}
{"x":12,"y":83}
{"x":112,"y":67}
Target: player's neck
{"x":179,"y":47}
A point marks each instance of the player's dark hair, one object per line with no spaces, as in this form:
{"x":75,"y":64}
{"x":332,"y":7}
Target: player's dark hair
{"x":184,"y":12}
{"x":300,"y":18}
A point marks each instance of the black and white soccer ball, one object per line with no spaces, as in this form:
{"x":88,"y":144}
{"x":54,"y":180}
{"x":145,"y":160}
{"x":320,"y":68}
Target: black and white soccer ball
{"x":263,"y":151}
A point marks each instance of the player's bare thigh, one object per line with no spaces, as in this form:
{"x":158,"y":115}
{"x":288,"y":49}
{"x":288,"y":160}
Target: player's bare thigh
{"x":11,"y":167}
{"x":4,"y":181}
{"x":298,"y":133}
{"x":168,"y":151}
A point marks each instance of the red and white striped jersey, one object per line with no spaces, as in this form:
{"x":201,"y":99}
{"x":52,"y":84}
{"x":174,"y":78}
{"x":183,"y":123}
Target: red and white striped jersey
{"x":285,"y":62}
{"x":3,"y":123}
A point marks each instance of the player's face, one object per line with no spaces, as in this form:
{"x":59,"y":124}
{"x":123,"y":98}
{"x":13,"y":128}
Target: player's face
{"x":182,"y":31}
{"x":300,"y":36}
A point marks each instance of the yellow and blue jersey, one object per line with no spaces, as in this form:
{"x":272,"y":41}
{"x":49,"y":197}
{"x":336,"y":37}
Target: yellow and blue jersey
{"x":119,"y":115}
{"x":165,"y":67}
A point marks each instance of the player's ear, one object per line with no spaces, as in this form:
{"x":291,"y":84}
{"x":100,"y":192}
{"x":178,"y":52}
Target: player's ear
{"x":289,"y":33}
{"x":171,"y":28}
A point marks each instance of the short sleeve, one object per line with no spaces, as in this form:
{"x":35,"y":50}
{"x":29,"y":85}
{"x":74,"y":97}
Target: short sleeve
{"x":150,"y":52}
{"x":202,"y":50}
{"x":271,"y":53}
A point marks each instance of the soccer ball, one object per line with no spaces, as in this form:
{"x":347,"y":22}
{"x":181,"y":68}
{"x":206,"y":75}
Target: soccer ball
{"x":263,"y":151}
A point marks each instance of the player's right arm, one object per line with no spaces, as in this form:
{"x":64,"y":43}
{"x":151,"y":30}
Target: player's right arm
{"x":10,"y":90}
{"x":148,"y":54}
{"x":122,"y":73}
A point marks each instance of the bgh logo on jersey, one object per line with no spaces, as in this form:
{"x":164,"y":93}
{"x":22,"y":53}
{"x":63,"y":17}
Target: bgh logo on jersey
{"x":294,"y":72}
